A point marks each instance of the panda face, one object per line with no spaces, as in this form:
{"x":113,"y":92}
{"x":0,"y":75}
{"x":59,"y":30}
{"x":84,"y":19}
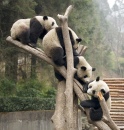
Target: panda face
{"x":84,"y":73}
{"x":97,"y":86}
{"x":84,"y":70}
{"x":49,"y":23}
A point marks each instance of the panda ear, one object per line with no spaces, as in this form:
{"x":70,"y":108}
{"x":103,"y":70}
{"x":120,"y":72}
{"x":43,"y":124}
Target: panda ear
{"x":97,"y":79}
{"x":83,"y":68}
{"x":93,"y":69}
{"x":78,"y":40}
{"x":45,"y":18}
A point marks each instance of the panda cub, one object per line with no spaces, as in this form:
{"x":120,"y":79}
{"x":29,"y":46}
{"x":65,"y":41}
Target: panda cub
{"x":83,"y":73}
{"x":94,"y":87}
{"x":84,"y":69}
{"x":53,"y":45}
{"x":29,"y":30}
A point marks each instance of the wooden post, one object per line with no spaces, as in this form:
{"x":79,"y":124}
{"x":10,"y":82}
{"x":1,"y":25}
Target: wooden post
{"x":70,"y":69}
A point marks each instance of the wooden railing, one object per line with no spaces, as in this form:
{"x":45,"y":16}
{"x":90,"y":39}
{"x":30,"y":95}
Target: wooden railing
{"x":116,"y":86}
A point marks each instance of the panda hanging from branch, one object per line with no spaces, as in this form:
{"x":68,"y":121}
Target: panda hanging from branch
{"x":53,"y":46}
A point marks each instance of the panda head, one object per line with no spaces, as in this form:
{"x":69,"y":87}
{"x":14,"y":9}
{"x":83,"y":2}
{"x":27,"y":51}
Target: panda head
{"x":49,"y":23}
{"x":97,"y":86}
{"x":84,"y":70}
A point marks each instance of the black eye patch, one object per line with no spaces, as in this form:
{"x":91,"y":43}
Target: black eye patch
{"x":53,"y":23}
{"x":90,"y":86}
{"x":83,"y":68}
{"x":103,"y":91}
{"x":85,"y":76}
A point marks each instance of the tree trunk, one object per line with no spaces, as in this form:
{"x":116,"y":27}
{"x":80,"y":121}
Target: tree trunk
{"x":59,"y":115}
{"x":70,"y":69}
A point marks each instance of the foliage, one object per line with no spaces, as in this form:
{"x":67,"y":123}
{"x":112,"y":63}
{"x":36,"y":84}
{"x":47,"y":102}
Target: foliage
{"x":23,"y":96}
{"x":49,"y":93}
{"x":35,"y":88}
{"x":89,"y":20}
{"x":7,"y":87}
{"x":10,"y":104}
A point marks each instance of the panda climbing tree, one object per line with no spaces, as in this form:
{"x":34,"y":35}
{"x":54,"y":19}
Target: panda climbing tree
{"x":66,"y":111}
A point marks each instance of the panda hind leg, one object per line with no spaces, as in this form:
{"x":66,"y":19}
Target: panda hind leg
{"x":58,"y":75}
{"x":57,"y":56}
{"x":36,"y":30}
{"x":96,"y":114}
{"x":24,"y":37}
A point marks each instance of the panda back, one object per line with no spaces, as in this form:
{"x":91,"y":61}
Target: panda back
{"x":18,"y":27}
{"x":50,"y":41}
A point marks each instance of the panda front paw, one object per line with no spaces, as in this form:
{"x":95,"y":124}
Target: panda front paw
{"x":32,"y":45}
{"x":92,"y":110}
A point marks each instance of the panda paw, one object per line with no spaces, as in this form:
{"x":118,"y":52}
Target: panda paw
{"x":32,"y":45}
{"x":92,"y":110}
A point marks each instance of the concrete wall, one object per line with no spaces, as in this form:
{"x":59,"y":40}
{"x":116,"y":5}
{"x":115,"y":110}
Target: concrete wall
{"x":27,"y":120}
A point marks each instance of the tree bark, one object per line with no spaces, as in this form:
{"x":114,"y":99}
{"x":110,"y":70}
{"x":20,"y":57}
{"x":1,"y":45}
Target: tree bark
{"x":70,"y":69}
{"x":106,"y":118}
{"x":59,"y":115}
{"x":75,"y":112}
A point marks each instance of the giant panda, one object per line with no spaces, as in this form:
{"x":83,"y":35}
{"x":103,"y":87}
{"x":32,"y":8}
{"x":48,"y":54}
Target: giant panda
{"x":53,"y":45}
{"x":94,"y":87}
{"x":29,"y":30}
{"x":83,"y":73}
{"x":84,"y":69}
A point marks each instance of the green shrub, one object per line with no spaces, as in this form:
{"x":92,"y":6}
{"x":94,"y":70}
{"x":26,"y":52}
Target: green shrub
{"x":10,"y":104}
{"x":7,"y":87}
{"x":34,"y":88}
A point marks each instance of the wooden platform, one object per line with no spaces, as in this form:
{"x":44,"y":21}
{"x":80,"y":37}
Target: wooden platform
{"x":116,"y":86}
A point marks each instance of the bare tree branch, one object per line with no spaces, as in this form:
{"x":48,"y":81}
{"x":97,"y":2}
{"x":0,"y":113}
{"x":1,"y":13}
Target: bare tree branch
{"x":70,"y":68}
{"x":107,"y":119}
{"x":81,"y":49}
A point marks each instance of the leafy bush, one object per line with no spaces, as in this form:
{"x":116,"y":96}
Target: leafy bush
{"x":29,"y":95}
{"x":34,"y":88}
{"x":7,"y":87}
{"x":10,"y":104}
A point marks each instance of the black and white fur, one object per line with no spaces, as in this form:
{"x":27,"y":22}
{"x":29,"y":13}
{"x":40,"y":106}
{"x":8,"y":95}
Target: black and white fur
{"x":53,"y":45}
{"x":94,"y":87}
{"x":84,"y":69}
{"x":83,"y":73}
{"x":29,"y":30}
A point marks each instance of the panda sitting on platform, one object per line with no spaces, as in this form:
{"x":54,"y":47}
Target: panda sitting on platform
{"x":94,"y":87}
{"x":29,"y":30}
{"x":53,"y":45}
